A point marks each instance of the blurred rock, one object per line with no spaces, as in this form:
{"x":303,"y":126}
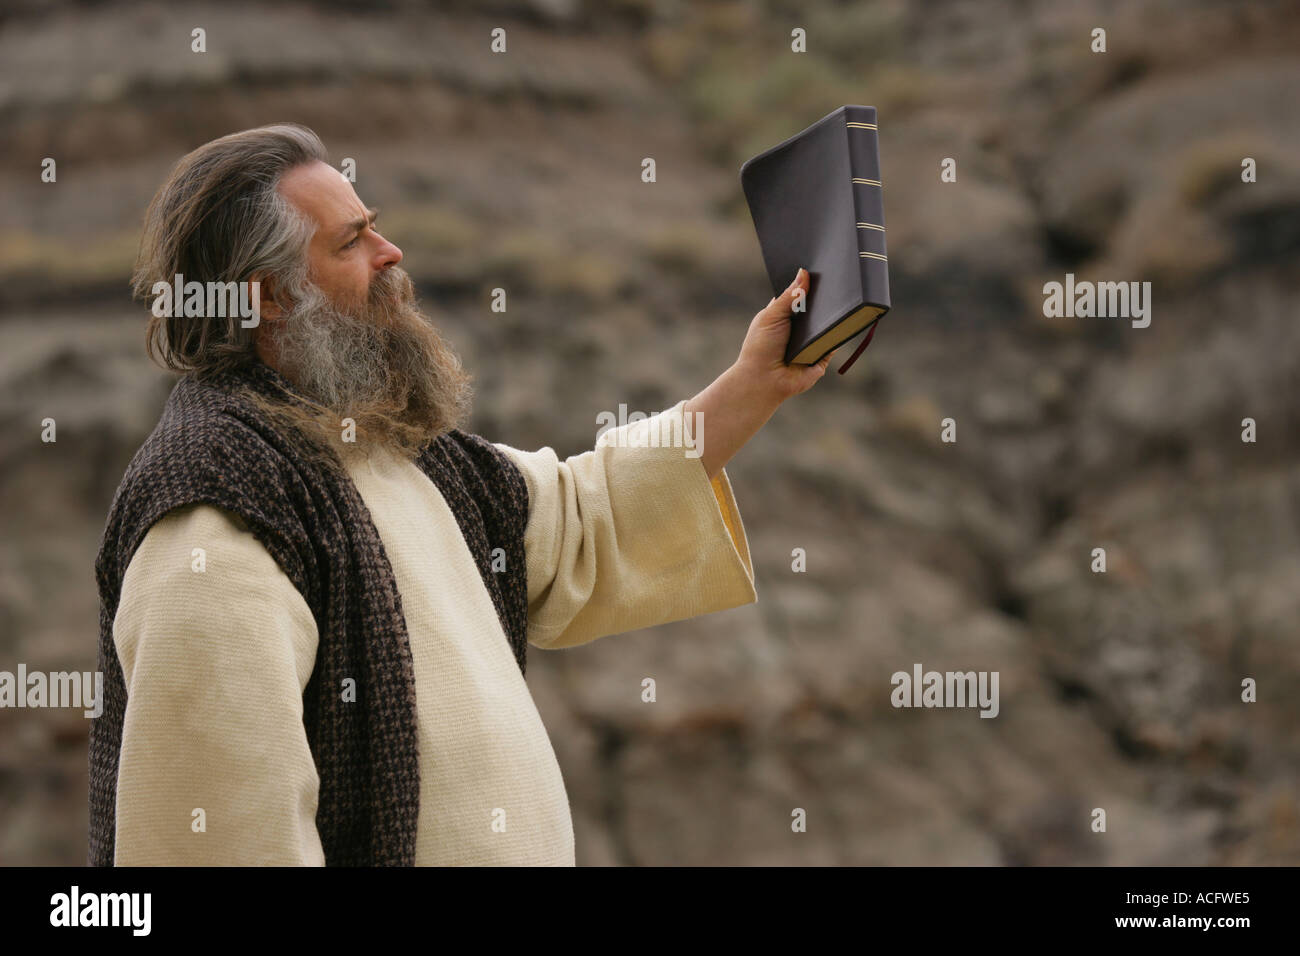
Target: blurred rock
{"x":1119,"y":691}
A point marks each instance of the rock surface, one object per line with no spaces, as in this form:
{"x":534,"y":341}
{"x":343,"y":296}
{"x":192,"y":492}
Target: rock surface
{"x":1119,"y":691}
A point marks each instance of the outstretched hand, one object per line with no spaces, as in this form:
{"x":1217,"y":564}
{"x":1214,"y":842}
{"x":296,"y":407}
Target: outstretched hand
{"x":762,"y":355}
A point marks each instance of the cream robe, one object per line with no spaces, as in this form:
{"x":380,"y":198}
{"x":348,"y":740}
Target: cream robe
{"x":622,"y":537}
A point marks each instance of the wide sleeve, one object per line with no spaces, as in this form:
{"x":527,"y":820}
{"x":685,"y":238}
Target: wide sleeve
{"x":216,"y":648}
{"x":629,"y":535}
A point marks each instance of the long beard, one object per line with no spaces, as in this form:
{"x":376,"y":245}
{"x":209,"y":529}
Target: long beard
{"x":380,"y":363}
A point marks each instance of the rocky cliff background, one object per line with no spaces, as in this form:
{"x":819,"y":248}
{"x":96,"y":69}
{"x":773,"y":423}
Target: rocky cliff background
{"x":1119,"y":690}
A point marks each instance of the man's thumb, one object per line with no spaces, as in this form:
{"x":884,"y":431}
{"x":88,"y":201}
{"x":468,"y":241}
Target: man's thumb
{"x":794,"y":283}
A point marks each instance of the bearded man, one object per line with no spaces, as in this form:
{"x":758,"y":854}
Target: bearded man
{"x":318,"y":590}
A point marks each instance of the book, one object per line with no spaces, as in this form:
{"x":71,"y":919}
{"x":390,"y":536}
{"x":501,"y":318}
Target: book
{"x":816,"y":201}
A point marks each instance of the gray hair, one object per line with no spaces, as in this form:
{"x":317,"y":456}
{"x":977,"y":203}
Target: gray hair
{"x":220,"y":218}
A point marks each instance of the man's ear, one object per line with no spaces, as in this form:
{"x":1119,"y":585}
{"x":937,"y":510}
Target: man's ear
{"x":270,"y":304}
{"x":268,"y":309}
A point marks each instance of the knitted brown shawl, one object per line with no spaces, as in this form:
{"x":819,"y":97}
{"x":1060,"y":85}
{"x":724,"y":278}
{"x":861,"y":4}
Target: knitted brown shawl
{"x":214,"y":447}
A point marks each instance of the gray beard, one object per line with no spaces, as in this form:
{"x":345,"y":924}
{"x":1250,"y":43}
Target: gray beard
{"x":381,"y":363}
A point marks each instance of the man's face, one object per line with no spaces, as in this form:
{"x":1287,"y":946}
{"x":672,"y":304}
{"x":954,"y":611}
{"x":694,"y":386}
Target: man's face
{"x":356,"y":341}
{"x":347,"y":253}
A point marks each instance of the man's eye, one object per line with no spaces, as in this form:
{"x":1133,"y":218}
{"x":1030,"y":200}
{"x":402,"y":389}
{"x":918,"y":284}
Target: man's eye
{"x":352,"y":243}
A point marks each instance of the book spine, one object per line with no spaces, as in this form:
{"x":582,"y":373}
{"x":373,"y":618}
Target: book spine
{"x":868,"y":203}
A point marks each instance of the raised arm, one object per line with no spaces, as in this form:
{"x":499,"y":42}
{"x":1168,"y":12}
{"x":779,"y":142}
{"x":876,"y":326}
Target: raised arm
{"x":625,"y":536}
{"x":739,"y":402}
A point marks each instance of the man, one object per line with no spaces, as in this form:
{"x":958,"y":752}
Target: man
{"x":318,"y":590}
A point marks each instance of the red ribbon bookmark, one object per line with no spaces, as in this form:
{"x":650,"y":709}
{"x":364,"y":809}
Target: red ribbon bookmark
{"x":861,"y":348}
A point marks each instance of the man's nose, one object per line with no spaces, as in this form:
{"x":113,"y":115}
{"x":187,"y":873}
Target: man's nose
{"x":387,"y":255}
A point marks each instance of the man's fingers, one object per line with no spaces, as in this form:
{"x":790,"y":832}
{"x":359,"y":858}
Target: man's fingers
{"x":789,"y":290}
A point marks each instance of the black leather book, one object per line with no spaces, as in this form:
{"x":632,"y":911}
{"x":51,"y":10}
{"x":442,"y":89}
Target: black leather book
{"x":816,"y":200}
